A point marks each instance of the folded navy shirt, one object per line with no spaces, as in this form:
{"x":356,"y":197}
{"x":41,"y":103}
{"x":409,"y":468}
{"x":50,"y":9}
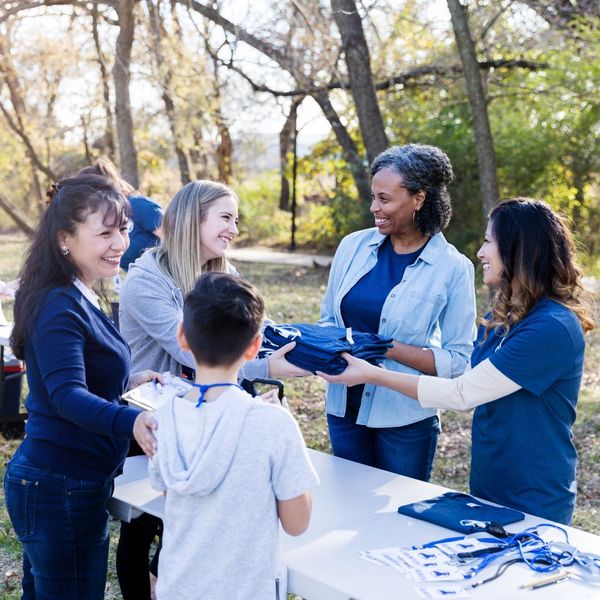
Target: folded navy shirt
{"x":461,"y":512}
{"x":319,"y":348}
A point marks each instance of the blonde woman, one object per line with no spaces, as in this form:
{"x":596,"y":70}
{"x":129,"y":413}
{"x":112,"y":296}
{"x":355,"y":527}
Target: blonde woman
{"x":199,"y":225}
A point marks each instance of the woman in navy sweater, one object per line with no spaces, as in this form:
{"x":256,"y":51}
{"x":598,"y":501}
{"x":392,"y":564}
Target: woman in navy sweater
{"x":77,"y":434}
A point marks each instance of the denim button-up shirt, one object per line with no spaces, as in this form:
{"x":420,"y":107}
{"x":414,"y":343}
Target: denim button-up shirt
{"x":432,"y":307}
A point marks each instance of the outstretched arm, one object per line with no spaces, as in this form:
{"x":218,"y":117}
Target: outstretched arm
{"x":479,"y":385}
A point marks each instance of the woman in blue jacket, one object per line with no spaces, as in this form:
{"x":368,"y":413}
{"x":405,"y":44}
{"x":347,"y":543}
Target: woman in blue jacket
{"x":78,"y":431}
{"x":402,"y":280}
{"x":527,"y":365}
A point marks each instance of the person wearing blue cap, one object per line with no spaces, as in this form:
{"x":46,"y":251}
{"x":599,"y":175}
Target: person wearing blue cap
{"x":527,"y":365}
{"x":401,"y":280}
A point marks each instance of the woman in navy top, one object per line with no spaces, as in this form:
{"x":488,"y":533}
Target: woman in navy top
{"x":77,"y":434}
{"x":526,"y":366}
{"x":146,"y":215}
{"x":402,"y":280}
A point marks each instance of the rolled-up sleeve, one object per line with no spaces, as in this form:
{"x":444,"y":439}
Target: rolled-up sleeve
{"x":457,"y":324}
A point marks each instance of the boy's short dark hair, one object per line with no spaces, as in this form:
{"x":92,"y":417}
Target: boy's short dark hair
{"x":221,"y":316}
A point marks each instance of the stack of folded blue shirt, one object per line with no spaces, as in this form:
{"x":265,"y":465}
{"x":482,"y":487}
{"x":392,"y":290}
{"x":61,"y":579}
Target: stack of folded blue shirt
{"x":320,"y":348}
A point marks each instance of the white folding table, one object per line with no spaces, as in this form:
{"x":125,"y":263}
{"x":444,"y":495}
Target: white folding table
{"x":354,"y":509}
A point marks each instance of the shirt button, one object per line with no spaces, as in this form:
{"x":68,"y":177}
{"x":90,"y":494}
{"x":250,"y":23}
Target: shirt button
{"x":383,"y":320}
{"x":392,"y":295}
{"x":368,"y":394}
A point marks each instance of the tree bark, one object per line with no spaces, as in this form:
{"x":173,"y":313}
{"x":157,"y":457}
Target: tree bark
{"x":121,"y":78}
{"x":17,"y":124}
{"x":358,"y":63}
{"x":484,"y":143}
{"x":165,"y":77}
{"x":109,"y":138}
{"x":350,"y":152}
{"x":285,"y":141}
{"x":18,"y":216}
{"x":351,"y":155}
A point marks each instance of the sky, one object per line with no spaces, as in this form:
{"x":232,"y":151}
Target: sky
{"x":249,"y":114}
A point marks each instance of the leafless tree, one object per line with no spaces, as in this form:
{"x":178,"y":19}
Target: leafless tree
{"x":484,"y":143}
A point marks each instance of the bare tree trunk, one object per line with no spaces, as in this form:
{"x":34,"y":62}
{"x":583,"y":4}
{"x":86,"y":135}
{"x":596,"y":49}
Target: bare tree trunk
{"x":198,"y":157}
{"x":17,"y":123}
{"x":109,"y":138}
{"x":285,"y":141}
{"x":351,"y":155}
{"x":484,"y":143}
{"x":349,"y":150}
{"x":121,"y":78}
{"x":165,"y":77}
{"x":358,"y":63}
{"x":86,"y":144}
{"x":18,"y":216}
{"x":224,"y":151}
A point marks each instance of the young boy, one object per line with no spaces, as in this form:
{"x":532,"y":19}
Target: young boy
{"x":231,"y":465}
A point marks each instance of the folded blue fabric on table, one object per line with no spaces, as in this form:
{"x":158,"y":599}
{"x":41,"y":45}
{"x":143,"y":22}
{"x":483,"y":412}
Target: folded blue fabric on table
{"x":320,"y":348}
{"x":460,"y":512}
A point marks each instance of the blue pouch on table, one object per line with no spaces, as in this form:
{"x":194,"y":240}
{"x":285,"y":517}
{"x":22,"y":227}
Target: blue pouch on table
{"x":460,"y":512}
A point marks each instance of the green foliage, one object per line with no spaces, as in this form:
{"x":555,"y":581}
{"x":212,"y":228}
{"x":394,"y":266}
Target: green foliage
{"x":261,"y":220}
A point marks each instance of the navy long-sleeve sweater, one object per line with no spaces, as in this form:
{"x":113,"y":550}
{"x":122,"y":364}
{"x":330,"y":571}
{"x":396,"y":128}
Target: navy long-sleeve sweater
{"x":77,"y":369}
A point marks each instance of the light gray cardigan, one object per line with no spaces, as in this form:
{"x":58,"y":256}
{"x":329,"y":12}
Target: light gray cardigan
{"x":150,"y":310}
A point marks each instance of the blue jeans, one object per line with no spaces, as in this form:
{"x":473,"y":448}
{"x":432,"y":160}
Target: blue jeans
{"x":62,"y":524}
{"x":407,"y":450}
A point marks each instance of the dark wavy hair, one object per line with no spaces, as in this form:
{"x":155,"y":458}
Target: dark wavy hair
{"x":424,"y":168}
{"x":71,"y":201}
{"x":537,"y":253}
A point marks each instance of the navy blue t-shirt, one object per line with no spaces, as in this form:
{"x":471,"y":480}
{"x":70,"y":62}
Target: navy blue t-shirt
{"x":523,"y":454}
{"x":146,"y":216}
{"x":361,"y":307}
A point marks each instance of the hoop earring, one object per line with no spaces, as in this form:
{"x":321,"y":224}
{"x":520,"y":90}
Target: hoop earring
{"x":65,"y":252}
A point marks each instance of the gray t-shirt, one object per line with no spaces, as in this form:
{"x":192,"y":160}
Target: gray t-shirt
{"x":224,"y":465}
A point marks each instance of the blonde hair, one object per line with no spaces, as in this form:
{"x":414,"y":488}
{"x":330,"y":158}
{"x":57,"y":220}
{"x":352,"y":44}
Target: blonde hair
{"x":178,"y":254}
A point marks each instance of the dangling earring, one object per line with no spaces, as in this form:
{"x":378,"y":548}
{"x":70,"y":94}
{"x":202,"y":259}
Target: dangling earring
{"x":65,"y":251}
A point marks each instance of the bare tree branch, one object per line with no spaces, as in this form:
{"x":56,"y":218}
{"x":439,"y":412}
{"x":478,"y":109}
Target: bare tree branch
{"x":28,"y":145}
{"x":409,"y":78}
{"x":22,"y":221}
{"x":14,"y":8}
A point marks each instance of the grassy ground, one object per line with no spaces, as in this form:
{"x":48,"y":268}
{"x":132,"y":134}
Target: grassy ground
{"x":294,"y":294}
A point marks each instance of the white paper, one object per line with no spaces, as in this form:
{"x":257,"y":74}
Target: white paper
{"x":442,"y":573}
{"x":466,"y":545}
{"x":426,"y":557}
{"x":447,"y":591}
{"x":151,"y":395}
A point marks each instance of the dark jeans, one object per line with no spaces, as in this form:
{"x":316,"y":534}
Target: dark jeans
{"x":62,"y":524}
{"x":407,"y":450}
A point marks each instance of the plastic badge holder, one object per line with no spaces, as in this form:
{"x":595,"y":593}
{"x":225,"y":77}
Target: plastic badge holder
{"x":460,"y":512}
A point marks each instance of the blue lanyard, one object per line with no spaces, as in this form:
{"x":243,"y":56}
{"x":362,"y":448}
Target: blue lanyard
{"x":204,"y":388}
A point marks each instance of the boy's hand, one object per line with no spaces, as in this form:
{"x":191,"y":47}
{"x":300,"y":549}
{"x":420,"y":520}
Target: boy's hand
{"x":280,"y":367}
{"x":143,"y":431}
{"x":272,"y":397}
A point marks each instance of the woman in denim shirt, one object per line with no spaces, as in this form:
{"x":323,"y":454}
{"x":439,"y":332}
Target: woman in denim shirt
{"x":402,"y":280}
